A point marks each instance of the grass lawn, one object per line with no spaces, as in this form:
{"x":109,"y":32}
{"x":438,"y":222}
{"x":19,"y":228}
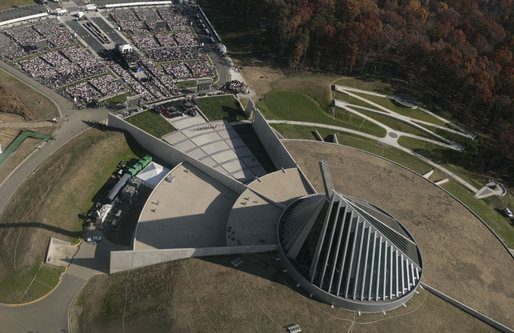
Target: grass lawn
{"x":372,"y":146}
{"x":48,"y":205}
{"x":443,"y":156}
{"x":491,"y":216}
{"x":290,"y":105}
{"x":207,"y":294}
{"x":116,"y":99}
{"x":395,"y":124}
{"x":413,"y":113}
{"x":220,"y":107}
{"x":6,"y":4}
{"x":317,"y":87}
{"x":186,"y":84}
{"x":350,"y":99}
{"x":46,"y":277}
{"x":41,"y":107}
{"x":450,"y":136}
{"x":152,"y":123}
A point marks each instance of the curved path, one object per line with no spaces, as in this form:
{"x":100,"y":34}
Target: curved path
{"x":387,"y":140}
{"x":50,"y":314}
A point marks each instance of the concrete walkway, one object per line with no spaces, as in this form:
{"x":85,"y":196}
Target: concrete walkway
{"x":409,"y":120}
{"x":385,"y":140}
{"x":391,"y":114}
{"x":50,"y":314}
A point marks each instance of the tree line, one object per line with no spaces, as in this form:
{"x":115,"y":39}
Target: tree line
{"x":458,"y":51}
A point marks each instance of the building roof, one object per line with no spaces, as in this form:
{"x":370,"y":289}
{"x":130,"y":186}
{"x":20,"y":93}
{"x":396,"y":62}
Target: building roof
{"x":152,"y":174}
{"x":349,"y":253}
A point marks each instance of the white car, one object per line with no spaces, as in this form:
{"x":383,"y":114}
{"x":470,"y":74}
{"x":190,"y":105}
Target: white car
{"x":508,"y":212}
{"x":94,"y":239}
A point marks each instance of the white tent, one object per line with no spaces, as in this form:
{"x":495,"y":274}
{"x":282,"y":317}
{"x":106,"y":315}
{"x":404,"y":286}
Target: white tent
{"x":152,"y":174}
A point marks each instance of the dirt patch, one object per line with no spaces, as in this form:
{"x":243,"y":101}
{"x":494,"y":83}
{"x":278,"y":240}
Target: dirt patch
{"x":317,"y":87}
{"x":259,"y":78}
{"x":208,"y":294}
{"x":18,"y":98}
{"x":462,"y":258}
{"x":11,"y":103}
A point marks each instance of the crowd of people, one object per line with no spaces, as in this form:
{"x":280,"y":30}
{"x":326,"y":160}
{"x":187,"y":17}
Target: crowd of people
{"x":52,"y":60}
{"x":186,"y":39}
{"x":150,"y":20}
{"x":170,"y":88}
{"x":145,"y":42}
{"x":178,"y":71}
{"x":201,"y":69}
{"x":63,"y":67}
{"x":107,"y":85}
{"x":191,"y":70}
{"x":132,"y":82}
{"x":128,"y":21}
{"x":174,"y":18}
{"x":20,"y":41}
{"x":166,"y":40}
{"x":83,"y":92}
{"x":163,"y":54}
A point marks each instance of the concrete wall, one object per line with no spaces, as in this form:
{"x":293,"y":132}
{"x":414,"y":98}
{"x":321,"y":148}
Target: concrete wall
{"x":274,"y":147}
{"x":499,"y":326}
{"x":125,"y":260}
{"x":170,"y":154}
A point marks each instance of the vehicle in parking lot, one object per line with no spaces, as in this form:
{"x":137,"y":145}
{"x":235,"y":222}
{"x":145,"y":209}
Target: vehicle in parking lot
{"x":508,"y":212}
{"x":94,"y":239}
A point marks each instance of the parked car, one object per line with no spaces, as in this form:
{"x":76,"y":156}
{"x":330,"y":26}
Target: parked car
{"x":509,"y":214}
{"x":94,"y":239}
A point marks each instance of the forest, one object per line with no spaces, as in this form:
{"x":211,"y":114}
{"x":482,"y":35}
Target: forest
{"x":458,"y":51}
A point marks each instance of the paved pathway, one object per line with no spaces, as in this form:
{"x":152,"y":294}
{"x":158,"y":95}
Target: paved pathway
{"x":391,"y":114}
{"x":50,"y":314}
{"x":387,"y":140}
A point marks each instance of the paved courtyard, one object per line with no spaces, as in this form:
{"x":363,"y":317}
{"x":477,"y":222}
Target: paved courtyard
{"x":191,"y":211}
{"x":216,"y":144}
{"x":253,"y":220}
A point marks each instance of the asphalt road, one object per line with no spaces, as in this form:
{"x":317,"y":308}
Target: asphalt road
{"x":51,"y":313}
{"x":71,"y":124}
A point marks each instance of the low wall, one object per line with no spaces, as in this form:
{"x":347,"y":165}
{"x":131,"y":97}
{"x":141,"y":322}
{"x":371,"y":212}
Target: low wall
{"x":125,"y":260}
{"x":497,"y":325}
{"x":170,"y":154}
{"x":275,"y":148}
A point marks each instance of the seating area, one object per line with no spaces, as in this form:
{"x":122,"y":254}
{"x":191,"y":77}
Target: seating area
{"x":49,"y":53}
{"x":95,"y":88}
{"x":149,"y":20}
{"x":20,"y":41}
{"x":63,"y":67}
{"x":191,"y":70}
{"x":131,"y":82}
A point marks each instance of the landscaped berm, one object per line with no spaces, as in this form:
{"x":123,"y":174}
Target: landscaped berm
{"x":48,"y":205}
{"x":209,"y":295}
{"x":461,"y":257}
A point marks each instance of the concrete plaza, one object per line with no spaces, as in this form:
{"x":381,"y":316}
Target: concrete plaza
{"x":217,"y":145}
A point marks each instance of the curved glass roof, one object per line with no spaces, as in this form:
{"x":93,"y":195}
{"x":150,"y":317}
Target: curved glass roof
{"x":350,"y":248}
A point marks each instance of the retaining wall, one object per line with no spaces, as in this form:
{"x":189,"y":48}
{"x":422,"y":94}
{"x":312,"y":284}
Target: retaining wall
{"x":497,"y":325}
{"x":125,"y":260}
{"x":170,"y":154}
{"x":274,"y":147}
